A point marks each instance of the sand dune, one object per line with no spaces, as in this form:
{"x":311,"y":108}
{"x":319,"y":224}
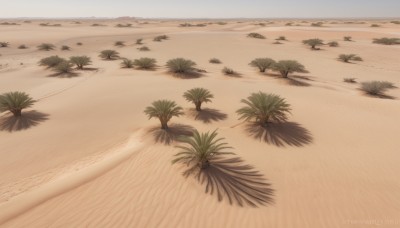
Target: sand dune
{"x":86,"y":155}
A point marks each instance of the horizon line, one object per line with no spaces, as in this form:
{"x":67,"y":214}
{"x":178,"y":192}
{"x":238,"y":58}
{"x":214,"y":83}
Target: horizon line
{"x":203,"y":18}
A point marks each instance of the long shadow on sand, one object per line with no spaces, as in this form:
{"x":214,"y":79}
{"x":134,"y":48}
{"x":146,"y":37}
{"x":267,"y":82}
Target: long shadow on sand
{"x":292,"y":80}
{"x":241,"y":184}
{"x":280,"y":134}
{"x":188,"y":75}
{"x":171,"y":134}
{"x":27,"y":120}
{"x":64,"y":75}
{"x":207,"y":115}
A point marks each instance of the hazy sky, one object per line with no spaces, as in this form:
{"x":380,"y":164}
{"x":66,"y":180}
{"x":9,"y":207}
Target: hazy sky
{"x":200,"y":8}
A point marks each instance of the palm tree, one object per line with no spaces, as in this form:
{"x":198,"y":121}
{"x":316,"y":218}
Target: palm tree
{"x":313,"y":43}
{"x":80,"y":61}
{"x":264,"y":108}
{"x":197,"y":96}
{"x":109,"y":54}
{"x":15,"y":102}
{"x":202,"y":147}
{"x":285,"y":67}
{"x":164,"y":110}
{"x":145,"y":63}
{"x":181,"y":65}
{"x":262,"y":63}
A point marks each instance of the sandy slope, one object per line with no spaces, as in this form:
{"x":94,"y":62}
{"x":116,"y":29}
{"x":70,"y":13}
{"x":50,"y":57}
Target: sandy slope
{"x":335,"y":164}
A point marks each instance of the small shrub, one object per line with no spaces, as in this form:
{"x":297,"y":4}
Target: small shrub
{"x":347,"y":38}
{"x":123,"y":25}
{"x":65,"y":48}
{"x":51,"y":61}
{"x":4,"y":44}
{"x":228,"y":71}
{"x":127,"y":63}
{"x":349,"y":57}
{"x":262,"y":63}
{"x":387,"y":41}
{"x":289,"y":24}
{"x":109,"y":54}
{"x":119,"y":43}
{"x":375,"y":25}
{"x":395,"y":22}
{"x":281,"y":38}
{"x":97,"y":25}
{"x":79,"y":44}
{"x":145,"y":63}
{"x":317,"y":24}
{"x":22,"y":46}
{"x":160,"y":38}
{"x":9,"y":23}
{"x":46,"y":47}
{"x":80,"y":61}
{"x":215,"y":61}
{"x":181,"y":65}
{"x":139,"y":41}
{"x":255,"y":35}
{"x":144,"y":48}
{"x":333,"y":44}
{"x":376,"y":88}
{"x":350,"y":80}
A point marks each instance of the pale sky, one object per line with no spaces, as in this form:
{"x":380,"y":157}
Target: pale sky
{"x":200,"y":8}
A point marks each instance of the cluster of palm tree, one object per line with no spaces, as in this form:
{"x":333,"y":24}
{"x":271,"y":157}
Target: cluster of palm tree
{"x":284,"y":67}
{"x":260,"y":107}
{"x":65,"y":66}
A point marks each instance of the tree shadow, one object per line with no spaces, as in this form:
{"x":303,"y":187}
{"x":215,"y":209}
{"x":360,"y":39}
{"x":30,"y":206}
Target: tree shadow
{"x":381,"y":96}
{"x":64,"y":75}
{"x":207,"y":115}
{"x":240,"y":183}
{"x":188,"y":75}
{"x":171,"y":134}
{"x":280,"y":134}
{"x":27,"y":120}
{"x":234,"y":75}
{"x":293,"y":80}
{"x":90,"y":69}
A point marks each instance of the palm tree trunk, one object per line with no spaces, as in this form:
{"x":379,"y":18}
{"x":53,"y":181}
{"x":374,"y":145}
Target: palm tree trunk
{"x":198,"y":106}
{"x":17,"y":113}
{"x":164,"y":125}
{"x":204,"y":164}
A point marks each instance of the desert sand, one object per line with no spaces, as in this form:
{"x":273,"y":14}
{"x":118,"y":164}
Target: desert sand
{"x":87,"y":156}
